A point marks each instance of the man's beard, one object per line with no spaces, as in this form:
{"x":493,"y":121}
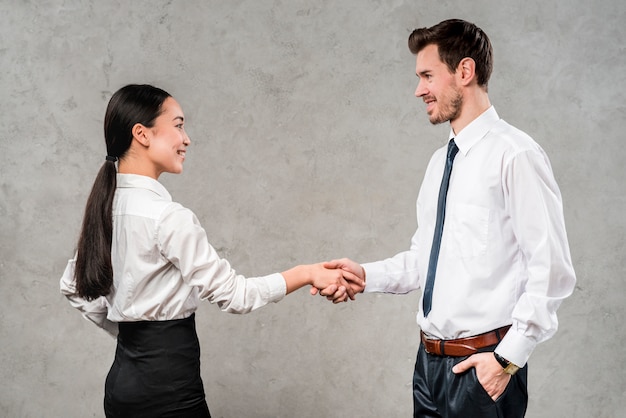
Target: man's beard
{"x":450,"y":107}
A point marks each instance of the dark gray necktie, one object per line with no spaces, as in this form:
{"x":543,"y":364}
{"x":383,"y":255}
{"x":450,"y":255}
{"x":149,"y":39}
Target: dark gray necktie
{"x":441,"y":213}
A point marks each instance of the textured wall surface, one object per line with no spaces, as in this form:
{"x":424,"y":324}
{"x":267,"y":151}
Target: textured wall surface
{"x":307,"y":145}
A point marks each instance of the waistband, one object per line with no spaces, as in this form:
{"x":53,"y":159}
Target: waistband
{"x":462,"y":347}
{"x":149,"y":335}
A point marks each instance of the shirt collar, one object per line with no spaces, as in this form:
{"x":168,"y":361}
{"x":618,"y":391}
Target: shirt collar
{"x":142,"y":182}
{"x":475,"y":131}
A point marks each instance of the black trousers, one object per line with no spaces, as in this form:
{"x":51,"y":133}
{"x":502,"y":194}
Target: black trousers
{"x":156,"y":372}
{"x":439,"y":393}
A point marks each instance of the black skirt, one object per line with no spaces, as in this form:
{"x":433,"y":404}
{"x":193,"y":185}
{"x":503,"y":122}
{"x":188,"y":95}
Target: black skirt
{"x":156,"y":371}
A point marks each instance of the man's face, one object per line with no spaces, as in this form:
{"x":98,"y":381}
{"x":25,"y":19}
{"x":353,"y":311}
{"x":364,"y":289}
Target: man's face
{"x":437,"y":86}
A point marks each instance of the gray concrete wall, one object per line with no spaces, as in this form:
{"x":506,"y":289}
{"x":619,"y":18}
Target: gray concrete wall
{"x":307,"y":145}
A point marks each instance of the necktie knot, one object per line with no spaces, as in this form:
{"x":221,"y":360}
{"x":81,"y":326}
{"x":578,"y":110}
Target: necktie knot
{"x":452,"y":149}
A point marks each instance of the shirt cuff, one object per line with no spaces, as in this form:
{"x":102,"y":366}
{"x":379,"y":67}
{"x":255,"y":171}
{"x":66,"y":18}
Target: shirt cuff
{"x":374,"y":277}
{"x":516,"y":347}
{"x":276,"y":286}
{"x":390,"y":276}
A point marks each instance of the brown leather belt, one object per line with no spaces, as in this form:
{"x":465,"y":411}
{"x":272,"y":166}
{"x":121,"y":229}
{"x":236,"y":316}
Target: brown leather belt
{"x":463,"y":346}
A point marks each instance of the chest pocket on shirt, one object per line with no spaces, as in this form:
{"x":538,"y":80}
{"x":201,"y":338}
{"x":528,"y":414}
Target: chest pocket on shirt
{"x":467,"y":229}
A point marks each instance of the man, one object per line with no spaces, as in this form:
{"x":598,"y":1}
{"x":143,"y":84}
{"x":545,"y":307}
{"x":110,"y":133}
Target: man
{"x":490,"y":252}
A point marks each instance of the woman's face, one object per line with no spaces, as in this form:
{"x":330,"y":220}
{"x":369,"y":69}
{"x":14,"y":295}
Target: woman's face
{"x":168,"y":139}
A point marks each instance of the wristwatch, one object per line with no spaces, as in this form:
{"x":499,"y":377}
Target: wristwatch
{"x":509,"y":368}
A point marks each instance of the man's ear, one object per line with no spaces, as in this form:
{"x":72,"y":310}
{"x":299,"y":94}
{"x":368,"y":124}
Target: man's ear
{"x":141,"y":134}
{"x":466,"y":71}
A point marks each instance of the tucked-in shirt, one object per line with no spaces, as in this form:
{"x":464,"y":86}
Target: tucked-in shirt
{"x":504,"y":257}
{"x":163,"y":264}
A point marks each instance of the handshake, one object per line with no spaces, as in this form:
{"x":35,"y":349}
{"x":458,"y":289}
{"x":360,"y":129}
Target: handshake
{"x":337,"y":280}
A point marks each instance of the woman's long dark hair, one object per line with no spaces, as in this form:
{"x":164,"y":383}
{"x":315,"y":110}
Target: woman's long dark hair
{"x":130,"y":105}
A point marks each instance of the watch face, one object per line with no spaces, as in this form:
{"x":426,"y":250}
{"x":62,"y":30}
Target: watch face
{"x":511,"y":369}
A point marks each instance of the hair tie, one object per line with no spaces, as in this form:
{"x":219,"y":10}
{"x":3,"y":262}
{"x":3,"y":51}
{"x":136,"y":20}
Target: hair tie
{"x":110,"y":158}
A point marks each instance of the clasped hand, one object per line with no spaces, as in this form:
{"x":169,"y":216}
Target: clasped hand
{"x":351,"y":282}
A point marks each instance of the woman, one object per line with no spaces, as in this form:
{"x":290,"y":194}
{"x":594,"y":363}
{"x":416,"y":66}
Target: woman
{"x":143,"y":263}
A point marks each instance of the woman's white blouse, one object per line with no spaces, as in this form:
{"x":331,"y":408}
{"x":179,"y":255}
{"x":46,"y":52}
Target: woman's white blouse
{"x":163,"y":264}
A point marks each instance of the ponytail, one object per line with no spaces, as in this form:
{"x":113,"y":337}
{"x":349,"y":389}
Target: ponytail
{"x":93,"y":270}
{"x":132,"y":104}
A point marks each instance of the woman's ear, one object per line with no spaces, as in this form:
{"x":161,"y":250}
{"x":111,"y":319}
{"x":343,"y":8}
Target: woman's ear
{"x":141,"y":134}
{"x":466,"y":71}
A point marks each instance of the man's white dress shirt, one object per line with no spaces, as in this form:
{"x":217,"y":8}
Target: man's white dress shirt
{"x":504,"y":255}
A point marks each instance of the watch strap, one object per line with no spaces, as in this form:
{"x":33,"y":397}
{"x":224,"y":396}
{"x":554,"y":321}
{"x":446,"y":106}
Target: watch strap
{"x":509,"y":368}
{"x":503,"y":362}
